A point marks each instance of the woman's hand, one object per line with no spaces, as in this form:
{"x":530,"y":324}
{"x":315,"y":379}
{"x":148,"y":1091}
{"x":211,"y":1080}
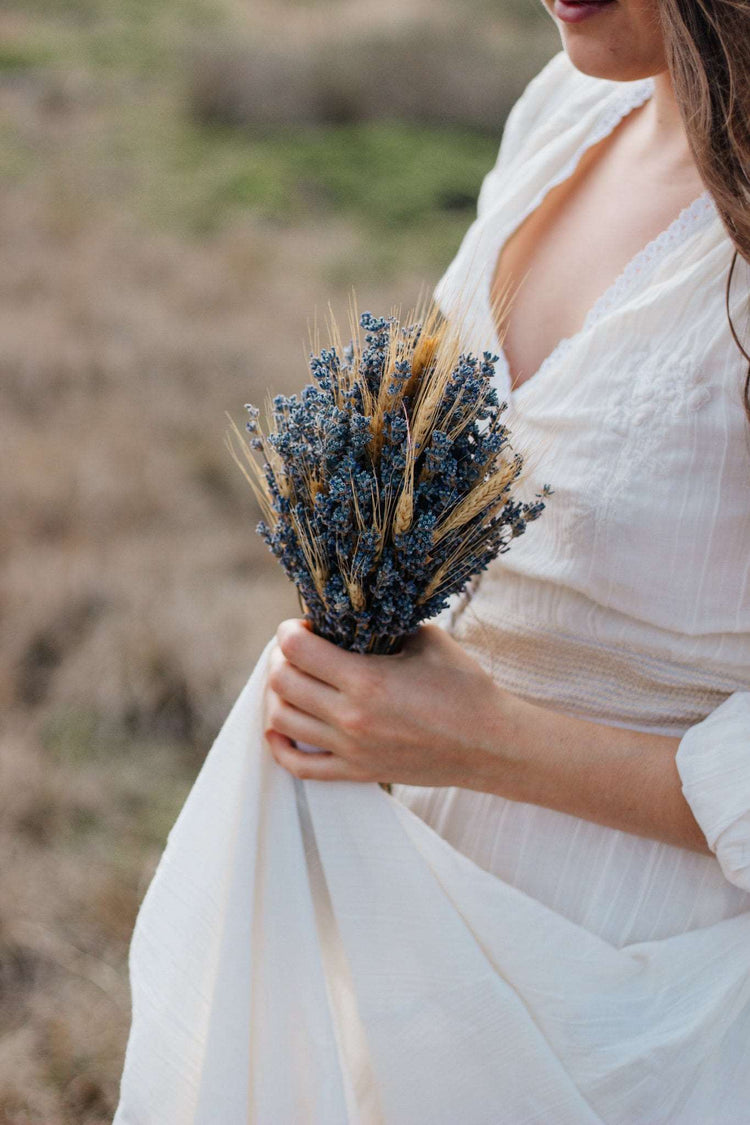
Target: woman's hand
{"x":428,"y":715}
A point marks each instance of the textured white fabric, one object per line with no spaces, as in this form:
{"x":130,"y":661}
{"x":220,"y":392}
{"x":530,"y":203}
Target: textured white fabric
{"x":713,"y":763}
{"x":325,"y":953}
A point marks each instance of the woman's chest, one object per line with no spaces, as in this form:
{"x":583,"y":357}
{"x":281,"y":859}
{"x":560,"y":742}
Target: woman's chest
{"x":569,"y":248}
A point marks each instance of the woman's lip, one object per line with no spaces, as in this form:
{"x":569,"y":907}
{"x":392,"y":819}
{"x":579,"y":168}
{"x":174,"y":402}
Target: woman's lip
{"x":574,"y":11}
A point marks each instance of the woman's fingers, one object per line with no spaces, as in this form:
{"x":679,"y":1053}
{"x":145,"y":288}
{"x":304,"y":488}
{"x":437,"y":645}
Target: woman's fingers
{"x":302,"y":690}
{"x":317,"y":656}
{"x":299,"y":726}
{"x":320,"y":767}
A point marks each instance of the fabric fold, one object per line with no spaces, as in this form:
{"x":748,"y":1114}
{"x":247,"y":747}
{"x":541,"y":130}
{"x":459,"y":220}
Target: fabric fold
{"x":713,"y":760}
{"x":231,"y":1021}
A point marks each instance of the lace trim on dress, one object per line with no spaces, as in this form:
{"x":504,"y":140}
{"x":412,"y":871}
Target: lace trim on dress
{"x":701,"y":208}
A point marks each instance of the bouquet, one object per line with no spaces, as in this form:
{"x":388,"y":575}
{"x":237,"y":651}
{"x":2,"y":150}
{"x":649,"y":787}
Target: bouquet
{"x":386,"y":484}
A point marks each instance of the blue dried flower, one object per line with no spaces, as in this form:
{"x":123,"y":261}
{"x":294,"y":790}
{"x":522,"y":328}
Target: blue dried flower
{"x":386,"y":483}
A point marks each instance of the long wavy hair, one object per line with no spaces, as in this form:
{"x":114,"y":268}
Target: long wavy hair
{"x":708,"y":54}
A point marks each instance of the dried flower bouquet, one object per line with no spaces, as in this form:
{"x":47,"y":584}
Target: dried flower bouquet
{"x":386,"y":484}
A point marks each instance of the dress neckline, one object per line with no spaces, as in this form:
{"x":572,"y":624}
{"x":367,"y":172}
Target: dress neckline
{"x":613,"y":112}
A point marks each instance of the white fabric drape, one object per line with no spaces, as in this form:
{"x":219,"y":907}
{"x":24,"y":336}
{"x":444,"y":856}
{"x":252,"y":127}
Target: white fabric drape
{"x":316,"y":953}
{"x":713,"y":760}
{"x":452,"y":995}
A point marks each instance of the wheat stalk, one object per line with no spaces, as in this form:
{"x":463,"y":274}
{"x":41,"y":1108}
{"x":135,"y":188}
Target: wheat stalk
{"x":483,"y":498}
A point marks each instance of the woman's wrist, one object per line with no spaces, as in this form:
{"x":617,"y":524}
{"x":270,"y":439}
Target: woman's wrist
{"x":505,"y":762}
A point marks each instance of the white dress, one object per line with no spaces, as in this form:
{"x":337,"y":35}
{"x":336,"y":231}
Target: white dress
{"x":322,"y":953}
{"x":630,"y":603}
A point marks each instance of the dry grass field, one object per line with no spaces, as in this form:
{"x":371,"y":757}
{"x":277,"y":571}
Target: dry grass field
{"x":162,"y":253}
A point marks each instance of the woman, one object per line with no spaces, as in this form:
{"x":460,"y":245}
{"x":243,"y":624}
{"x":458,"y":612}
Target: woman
{"x":588,"y":174}
{"x":551,"y":920}
{"x":606,"y":754}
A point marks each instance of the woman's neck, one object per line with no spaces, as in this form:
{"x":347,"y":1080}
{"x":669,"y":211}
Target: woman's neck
{"x":664,"y":129}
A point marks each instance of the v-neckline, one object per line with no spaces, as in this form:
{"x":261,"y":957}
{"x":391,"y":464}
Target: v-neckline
{"x":612,"y":114}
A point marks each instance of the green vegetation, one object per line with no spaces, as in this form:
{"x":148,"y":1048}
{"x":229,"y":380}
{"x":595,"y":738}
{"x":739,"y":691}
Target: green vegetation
{"x":409,"y":190}
{"x":394,"y":180}
{"x":22,"y":56}
{"x":388,"y":175}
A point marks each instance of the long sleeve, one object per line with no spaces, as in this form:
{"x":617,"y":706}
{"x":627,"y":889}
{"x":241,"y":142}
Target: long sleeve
{"x":713,"y":760}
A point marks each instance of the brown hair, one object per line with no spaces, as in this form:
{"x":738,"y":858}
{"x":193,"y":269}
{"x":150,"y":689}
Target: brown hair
{"x":707,"y":44}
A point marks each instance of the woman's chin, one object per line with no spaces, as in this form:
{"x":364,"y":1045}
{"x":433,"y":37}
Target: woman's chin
{"x":615,"y":42}
{"x":602,"y":59}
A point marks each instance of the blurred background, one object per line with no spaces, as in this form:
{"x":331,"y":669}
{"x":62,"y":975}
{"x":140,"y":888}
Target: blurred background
{"x":183,"y":184}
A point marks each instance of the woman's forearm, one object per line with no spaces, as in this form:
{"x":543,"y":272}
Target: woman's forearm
{"x":613,"y":776}
{"x":431,"y":715}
